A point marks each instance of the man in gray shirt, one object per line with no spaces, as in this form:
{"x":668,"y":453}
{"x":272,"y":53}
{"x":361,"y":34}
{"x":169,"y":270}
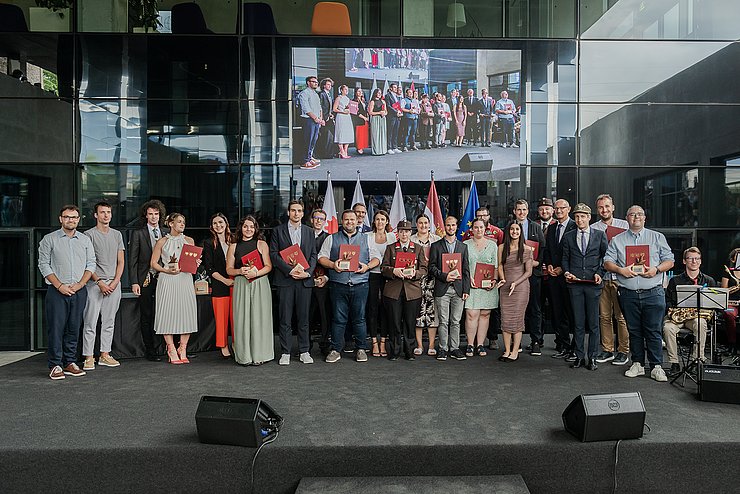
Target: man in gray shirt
{"x":311,"y":114}
{"x":103,"y":289}
{"x":66,"y":261}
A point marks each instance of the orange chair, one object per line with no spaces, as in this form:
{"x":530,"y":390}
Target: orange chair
{"x":331,"y":18}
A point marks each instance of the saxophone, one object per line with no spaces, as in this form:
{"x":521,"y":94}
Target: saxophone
{"x":734,"y":278}
{"x":680,"y":314}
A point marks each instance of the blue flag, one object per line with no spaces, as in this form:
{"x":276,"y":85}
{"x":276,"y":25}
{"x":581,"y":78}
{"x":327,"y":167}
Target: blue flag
{"x":469,"y":215}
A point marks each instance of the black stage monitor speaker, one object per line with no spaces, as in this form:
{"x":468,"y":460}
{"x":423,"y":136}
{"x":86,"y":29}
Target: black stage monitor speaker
{"x":476,"y":162}
{"x":605,"y":417}
{"x":235,"y":421}
{"x":720,"y":383}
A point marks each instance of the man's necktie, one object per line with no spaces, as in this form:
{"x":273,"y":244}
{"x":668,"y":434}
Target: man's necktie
{"x":156,"y":233}
{"x":583,"y":242}
{"x":557,"y":232}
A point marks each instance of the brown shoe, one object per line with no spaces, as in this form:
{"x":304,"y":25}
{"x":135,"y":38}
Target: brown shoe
{"x":73,"y":370}
{"x":56,"y":373}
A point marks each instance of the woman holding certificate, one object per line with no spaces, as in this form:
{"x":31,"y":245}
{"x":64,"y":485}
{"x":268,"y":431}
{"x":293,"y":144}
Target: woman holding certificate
{"x":483,"y":261}
{"x":215,"y":249}
{"x":248,"y":260}
{"x":514,"y":268}
{"x":176,"y":308}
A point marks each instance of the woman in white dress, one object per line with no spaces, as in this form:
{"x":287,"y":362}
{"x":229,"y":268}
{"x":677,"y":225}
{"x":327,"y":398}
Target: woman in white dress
{"x":344,"y":131}
{"x":176,"y":308}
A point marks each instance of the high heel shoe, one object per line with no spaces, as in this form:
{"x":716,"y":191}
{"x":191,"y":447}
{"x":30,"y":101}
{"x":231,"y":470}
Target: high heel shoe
{"x":182,"y":352}
{"x":172,"y":352}
{"x":383,"y":351}
{"x":225,"y":356}
{"x":376,"y":349}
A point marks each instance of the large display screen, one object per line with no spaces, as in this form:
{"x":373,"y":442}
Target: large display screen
{"x":444,"y":110}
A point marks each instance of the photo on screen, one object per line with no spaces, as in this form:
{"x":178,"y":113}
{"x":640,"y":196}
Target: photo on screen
{"x":407,"y":110}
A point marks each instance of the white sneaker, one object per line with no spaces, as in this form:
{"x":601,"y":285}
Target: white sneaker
{"x":504,"y":145}
{"x":89,"y":364}
{"x":390,"y":151}
{"x":658,"y":374}
{"x":635,"y":370}
{"x":284,"y":359}
{"x":515,"y":145}
{"x":306,"y":358}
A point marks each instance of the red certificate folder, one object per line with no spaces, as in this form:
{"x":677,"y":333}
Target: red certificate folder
{"x":536,"y":246}
{"x":349,"y":257}
{"x":253,"y":260}
{"x":451,"y":262}
{"x":189,"y":258}
{"x":638,"y":256}
{"x":612,"y":231}
{"x":293,"y":255}
{"x":396,"y":106}
{"x":485,"y":275}
{"x":406,"y":261}
{"x":352,"y":107}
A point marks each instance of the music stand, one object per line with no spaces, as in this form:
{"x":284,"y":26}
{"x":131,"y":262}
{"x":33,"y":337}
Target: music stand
{"x":699,"y":297}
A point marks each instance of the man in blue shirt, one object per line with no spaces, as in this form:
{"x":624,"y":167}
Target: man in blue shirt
{"x":66,"y":261}
{"x":641,"y":294}
{"x":311,"y":114}
{"x":505,"y":111}
{"x":410,"y":109}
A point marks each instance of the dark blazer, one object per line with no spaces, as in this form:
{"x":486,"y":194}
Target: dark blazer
{"x":214,"y":261}
{"x":584,"y":266}
{"x":390,"y":99}
{"x":280,"y":240}
{"x":671,"y":294}
{"x":412,"y":286}
{"x":485,"y":107}
{"x":553,"y":248}
{"x":320,"y":238}
{"x":326,"y":105}
{"x":462,"y":285}
{"x":140,"y":254}
{"x":535,"y":234}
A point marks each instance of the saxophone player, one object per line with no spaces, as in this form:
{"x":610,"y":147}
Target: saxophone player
{"x":731,"y":280}
{"x":685,"y":318}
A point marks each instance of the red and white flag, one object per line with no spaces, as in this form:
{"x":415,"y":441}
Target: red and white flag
{"x":398,"y":210}
{"x":434,"y":212}
{"x":331,"y":225}
{"x":359,"y":198}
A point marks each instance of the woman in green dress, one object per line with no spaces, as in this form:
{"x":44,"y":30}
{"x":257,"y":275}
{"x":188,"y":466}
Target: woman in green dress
{"x":252,"y":302}
{"x":481,"y":300}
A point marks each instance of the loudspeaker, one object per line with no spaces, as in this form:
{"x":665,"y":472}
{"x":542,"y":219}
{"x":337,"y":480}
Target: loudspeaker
{"x":605,"y":417}
{"x":476,"y":162}
{"x":720,"y":383}
{"x":235,"y":421}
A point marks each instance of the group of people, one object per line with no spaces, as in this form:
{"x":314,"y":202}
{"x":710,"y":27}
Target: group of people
{"x":389,"y":58}
{"x":399,"y":121}
{"x":375,"y":292}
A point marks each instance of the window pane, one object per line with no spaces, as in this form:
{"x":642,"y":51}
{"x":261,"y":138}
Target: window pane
{"x":102,"y":16}
{"x":550,"y":71}
{"x":14,"y":255}
{"x":266,"y":191}
{"x":266,"y":132}
{"x":265,"y":68}
{"x":540,"y":18}
{"x":549,"y":132}
{"x":33,"y":194}
{"x":14,"y":332}
{"x":665,"y":19}
{"x":112,"y":132}
{"x":36,"y":65}
{"x":40,"y":130}
{"x":112,"y":66}
{"x":22,"y":16}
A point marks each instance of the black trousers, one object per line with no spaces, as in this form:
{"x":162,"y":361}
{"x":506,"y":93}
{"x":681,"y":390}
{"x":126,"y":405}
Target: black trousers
{"x":533,"y":316}
{"x":294,"y":298}
{"x":494,"y":326}
{"x":402,"y":314}
{"x":374,"y":308}
{"x":562,"y":312}
{"x":320,"y":310}
{"x":153,"y":343}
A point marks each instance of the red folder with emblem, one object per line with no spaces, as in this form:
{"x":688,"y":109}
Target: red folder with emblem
{"x":189,"y":258}
{"x":485,"y":275}
{"x":613,"y":231}
{"x":253,"y":259}
{"x":451,"y":262}
{"x":294,"y":255}
{"x":637,"y":255}
{"x":349,"y":257}
{"x":536,"y":246}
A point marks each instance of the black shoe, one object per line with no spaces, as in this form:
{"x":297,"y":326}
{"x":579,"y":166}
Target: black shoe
{"x":675,"y":369}
{"x":191,"y":355}
{"x":604,"y":357}
{"x":592,"y":365}
{"x":153,"y":358}
{"x":578,"y":363}
{"x":410,"y":357}
{"x":441,"y":354}
{"x":393,"y":358}
{"x":457,"y":354}
{"x":349,"y":347}
{"x":561,"y":354}
{"x":535,"y":350}
{"x":571,"y":357}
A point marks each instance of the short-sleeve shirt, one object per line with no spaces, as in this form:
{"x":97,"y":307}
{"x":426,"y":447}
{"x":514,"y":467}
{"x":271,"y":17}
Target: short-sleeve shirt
{"x":107,"y":246}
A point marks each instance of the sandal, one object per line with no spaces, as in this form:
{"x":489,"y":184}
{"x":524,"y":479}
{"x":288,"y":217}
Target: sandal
{"x":376,"y":351}
{"x":383,"y":352}
{"x":481,"y":350}
{"x":418,"y":351}
{"x":432,"y":352}
{"x":469,"y":351}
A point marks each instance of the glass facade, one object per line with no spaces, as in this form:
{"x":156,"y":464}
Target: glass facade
{"x":194,"y":104}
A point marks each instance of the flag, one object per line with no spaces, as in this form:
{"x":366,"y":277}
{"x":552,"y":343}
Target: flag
{"x":412,"y":86}
{"x":434,"y":212}
{"x":359,"y":197}
{"x":469,"y":215}
{"x":331,"y":225}
{"x":398,"y":210}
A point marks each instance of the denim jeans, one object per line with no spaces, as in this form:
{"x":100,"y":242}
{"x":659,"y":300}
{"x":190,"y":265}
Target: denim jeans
{"x":450,"y":310}
{"x":348,"y":300}
{"x":63,"y":323}
{"x":644,"y":312}
{"x":410,"y":139}
{"x":310,"y":136}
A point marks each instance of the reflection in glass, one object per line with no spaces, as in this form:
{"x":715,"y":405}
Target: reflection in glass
{"x":102,"y":16}
{"x":112,"y":66}
{"x":266,"y":191}
{"x":266,"y":68}
{"x":14,"y":306}
{"x":40,"y":130}
{"x":266,"y":132}
{"x":111,"y":131}
{"x":35,"y":65}
{"x":31,"y":195}
{"x":550,"y":134}
{"x":550,"y":71}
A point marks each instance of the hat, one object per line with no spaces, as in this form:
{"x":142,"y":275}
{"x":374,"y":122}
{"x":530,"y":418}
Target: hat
{"x":545,"y":202}
{"x":404,"y":225}
{"x":582,"y":208}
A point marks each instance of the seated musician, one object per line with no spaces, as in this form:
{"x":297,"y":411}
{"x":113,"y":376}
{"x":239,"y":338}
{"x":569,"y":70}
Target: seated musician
{"x":679,"y":318}
{"x":731,"y":280}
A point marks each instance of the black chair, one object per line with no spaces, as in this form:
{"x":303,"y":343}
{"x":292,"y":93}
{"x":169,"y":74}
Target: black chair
{"x":257,"y":18}
{"x":12,"y":19}
{"x":187,"y":18}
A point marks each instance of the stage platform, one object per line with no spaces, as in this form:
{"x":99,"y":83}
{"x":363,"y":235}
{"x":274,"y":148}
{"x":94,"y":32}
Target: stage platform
{"x":132,"y":428}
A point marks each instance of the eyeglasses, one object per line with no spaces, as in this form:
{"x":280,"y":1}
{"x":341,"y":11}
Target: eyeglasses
{"x":693,"y":259}
{"x":635,"y":215}
{"x":313,"y":81}
{"x":71,"y":217}
{"x":320,"y":218}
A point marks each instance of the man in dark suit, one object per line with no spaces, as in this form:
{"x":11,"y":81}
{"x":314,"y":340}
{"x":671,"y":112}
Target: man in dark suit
{"x":325,"y":146}
{"x":294,"y":281}
{"x":485,"y":113}
{"x":533,"y":317}
{"x":583,"y":254}
{"x":561,"y":308}
{"x":402,"y":292}
{"x":451,"y":290}
{"x":320,"y":290}
{"x":545,"y":219}
{"x":142,"y":278}
{"x":471,"y":124}
{"x":393,"y":120}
